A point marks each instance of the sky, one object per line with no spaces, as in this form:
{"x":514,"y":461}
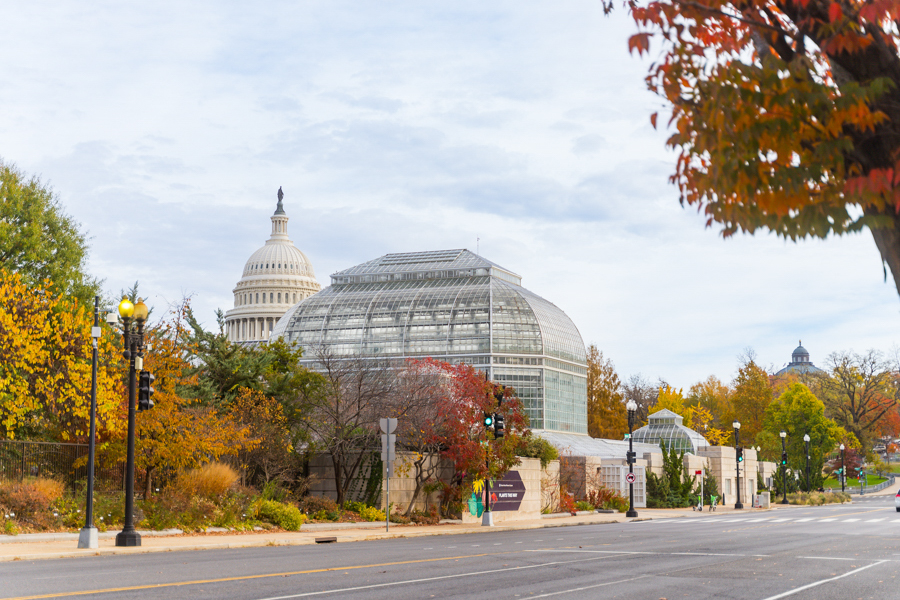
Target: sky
{"x":518,"y":128}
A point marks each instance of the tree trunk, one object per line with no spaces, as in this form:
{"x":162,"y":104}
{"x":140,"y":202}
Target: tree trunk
{"x":887,"y":240}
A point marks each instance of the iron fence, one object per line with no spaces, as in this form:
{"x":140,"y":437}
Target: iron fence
{"x":56,"y":460}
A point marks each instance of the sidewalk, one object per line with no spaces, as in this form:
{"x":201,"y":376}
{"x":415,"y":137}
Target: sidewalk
{"x":65,"y":545}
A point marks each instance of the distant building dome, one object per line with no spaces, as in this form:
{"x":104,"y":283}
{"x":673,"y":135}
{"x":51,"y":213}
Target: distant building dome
{"x":800,"y":362}
{"x":275,"y":277}
{"x":665,"y":426}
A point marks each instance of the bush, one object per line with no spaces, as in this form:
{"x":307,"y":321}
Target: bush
{"x":31,"y":501}
{"x":314,"y":504}
{"x":209,"y":481}
{"x":818,"y":498}
{"x":582,"y":505}
{"x":430,"y":517}
{"x":368,"y":513}
{"x":286,"y":516}
{"x":607,"y":499}
{"x":535,"y":447}
{"x":566,"y":502}
{"x":175,"y":508}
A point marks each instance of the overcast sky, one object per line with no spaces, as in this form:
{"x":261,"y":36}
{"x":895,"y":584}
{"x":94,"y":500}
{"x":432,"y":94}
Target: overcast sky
{"x":166,"y":129}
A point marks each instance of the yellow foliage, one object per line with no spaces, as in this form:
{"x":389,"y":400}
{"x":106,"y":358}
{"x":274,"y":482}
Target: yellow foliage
{"x":45,"y":363}
{"x":672,"y":399}
{"x":209,"y":481}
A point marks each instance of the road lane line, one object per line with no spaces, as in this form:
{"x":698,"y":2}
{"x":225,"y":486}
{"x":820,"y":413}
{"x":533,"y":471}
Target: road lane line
{"x":591,"y":587}
{"x":818,"y":583}
{"x":850,"y":520}
{"x":437,"y":578}
{"x":248,"y":577}
{"x":874,"y":520}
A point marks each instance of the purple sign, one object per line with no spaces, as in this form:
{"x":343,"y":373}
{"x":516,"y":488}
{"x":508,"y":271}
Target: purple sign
{"x":507,"y":493}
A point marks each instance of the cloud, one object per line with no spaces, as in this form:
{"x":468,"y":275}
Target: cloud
{"x":519,"y":127}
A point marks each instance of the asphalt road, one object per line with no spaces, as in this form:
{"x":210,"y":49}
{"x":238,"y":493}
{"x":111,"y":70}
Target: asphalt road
{"x":831,"y":552}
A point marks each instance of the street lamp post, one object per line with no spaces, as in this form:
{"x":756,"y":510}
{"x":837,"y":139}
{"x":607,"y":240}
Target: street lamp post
{"x":843,"y":469}
{"x":88,"y":536}
{"x":631,"y":406}
{"x":783,"y":469}
{"x":737,"y":461}
{"x":806,"y":439}
{"x":133,"y":338}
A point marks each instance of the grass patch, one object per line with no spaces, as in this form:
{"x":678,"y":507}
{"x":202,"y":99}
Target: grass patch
{"x":853,"y":483}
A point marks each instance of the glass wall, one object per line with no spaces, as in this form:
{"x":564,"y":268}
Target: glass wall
{"x":458,"y":307}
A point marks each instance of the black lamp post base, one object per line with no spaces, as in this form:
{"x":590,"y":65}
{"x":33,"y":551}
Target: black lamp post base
{"x":738,"y":505}
{"x":631,"y":514}
{"x":128,"y":538}
{"x":785,"y":501}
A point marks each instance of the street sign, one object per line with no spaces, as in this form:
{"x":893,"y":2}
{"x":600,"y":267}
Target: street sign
{"x":630,"y":478}
{"x":698,"y":472}
{"x":388,"y":425}
{"x":387,"y":447}
{"x":507,"y":494}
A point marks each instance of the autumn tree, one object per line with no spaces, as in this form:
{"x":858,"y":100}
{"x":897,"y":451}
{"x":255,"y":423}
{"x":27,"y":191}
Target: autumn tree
{"x":178,"y":433}
{"x":45,"y":364}
{"x":798,"y":412}
{"x":271,"y":455}
{"x":606,"y":412}
{"x":786,"y":113}
{"x":715,"y":396}
{"x":859,"y":391}
{"x":750,"y":396}
{"x":38,"y":240}
{"x":673,"y":399}
{"x":443,"y":406}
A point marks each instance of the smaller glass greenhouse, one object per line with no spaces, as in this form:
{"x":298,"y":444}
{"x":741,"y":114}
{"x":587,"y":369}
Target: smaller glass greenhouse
{"x":668,"y":427}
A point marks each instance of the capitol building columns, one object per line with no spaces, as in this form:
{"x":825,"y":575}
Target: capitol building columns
{"x":275,"y":278}
{"x":258,"y":329}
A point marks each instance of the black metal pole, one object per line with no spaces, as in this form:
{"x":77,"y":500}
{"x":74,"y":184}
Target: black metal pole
{"x":737,"y":465}
{"x":129,"y":536}
{"x":783,"y":476}
{"x":808,"y":490}
{"x":631,"y":512}
{"x":88,"y":536}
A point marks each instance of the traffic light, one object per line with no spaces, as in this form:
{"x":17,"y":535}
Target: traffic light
{"x":740,"y":454}
{"x":488,"y":420}
{"x":498,"y":426}
{"x":630,"y":457}
{"x":145,"y":390}
{"x":783,"y":459}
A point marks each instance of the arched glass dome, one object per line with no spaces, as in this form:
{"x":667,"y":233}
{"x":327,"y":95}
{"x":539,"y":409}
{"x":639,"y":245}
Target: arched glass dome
{"x":667,"y":427}
{"x":455,"y":306}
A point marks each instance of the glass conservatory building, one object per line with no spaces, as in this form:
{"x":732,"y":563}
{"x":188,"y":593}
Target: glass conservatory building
{"x":668,"y":427}
{"x":454,"y":306}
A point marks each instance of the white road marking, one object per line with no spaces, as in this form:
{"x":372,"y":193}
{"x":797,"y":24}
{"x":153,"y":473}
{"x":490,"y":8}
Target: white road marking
{"x":827,"y":520}
{"x":438,"y":578}
{"x":805,"y":520}
{"x":781,"y":520}
{"x":849,"y":520}
{"x":818,"y":583}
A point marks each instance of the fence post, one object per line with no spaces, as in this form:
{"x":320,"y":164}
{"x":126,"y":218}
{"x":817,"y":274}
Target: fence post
{"x":22,"y":473}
